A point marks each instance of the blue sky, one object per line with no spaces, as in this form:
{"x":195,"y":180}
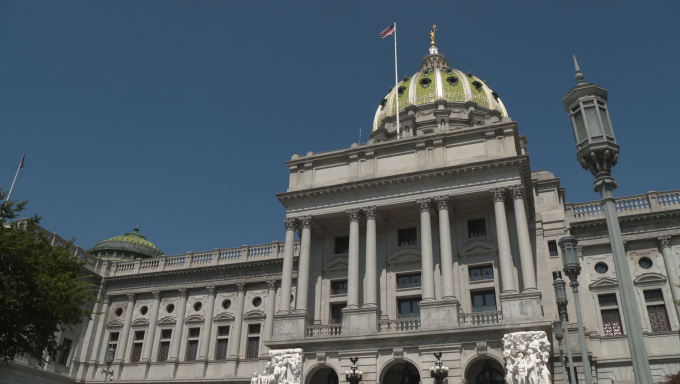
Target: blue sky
{"x":178,"y":116}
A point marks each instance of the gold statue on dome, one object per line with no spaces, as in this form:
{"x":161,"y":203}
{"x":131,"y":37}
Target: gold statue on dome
{"x":432,"y":43}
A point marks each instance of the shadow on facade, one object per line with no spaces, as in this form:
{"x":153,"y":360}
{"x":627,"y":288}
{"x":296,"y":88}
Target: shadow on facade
{"x":485,"y":371}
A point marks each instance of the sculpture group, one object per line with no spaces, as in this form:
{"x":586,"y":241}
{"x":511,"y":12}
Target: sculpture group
{"x":526,"y":357}
{"x":284,"y":367}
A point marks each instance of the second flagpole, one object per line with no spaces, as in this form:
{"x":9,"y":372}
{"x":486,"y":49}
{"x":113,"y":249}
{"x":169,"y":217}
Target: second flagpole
{"x":396,"y":79}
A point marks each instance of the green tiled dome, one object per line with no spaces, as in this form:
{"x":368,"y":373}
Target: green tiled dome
{"x":131,"y":245}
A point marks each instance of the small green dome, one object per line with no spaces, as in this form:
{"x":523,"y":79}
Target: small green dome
{"x":131,"y":245}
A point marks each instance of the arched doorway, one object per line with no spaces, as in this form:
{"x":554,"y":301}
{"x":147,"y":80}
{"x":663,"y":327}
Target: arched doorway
{"x":401,"y":373}
{"x":485,"y":371}
{"x":324,"y":375}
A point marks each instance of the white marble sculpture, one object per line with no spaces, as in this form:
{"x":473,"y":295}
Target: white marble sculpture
{"x":526,"y":357}
{"x":284,"y":367}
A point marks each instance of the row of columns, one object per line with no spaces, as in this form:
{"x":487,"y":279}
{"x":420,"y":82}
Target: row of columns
{"x":176,"y":340}
{"x":427,"y":280}
{"x":671,"y":270}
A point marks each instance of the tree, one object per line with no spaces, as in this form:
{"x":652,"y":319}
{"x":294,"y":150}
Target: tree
{"x":43,"y":288}
{"x":672,"y":379}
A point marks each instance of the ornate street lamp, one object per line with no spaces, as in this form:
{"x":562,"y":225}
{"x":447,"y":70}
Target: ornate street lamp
{"x":597,"y":151}
{"x":108,"y":360}
{"x":439,"y":372}
{"x":572,"y":268}
{"x":561,"y":299}
{"x":557,"y":328}
{"x":354,"y":376}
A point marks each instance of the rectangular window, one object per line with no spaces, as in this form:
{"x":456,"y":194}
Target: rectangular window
{"x":164,"y":346}
{"x":136,"y":352}
{"x":611,"y":320}
{"x":654,"y":296}
{"x":408,"y":237}
{"x":658,"y":317}
{"x":342,"y":244}
{"x":222,"y":343}
{"x":113,"y":341}
{"x":409,"y":308}
{"x":606,"y":300}
{"x":339,"y":287}
{"x":253,"y":348}
{"x":552,"y":247}
{"x":192,"y":344}
{"x":63,"y":356}
{"x":166,"y":334}
{"x":476,"y":228}
{"x":408,"y":281}
{"x":254,"y":329}
{"x":481,"y":273}
{"x":336,"y":313}
{"x":484,"y":301}
{"x":139,"y":335}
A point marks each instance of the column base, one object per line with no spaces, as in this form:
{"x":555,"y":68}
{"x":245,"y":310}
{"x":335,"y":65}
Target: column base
{"x":360,"y":321}
{"x":434,"y":314}
{"x":290,"y":325}
{"x":521,"y":305}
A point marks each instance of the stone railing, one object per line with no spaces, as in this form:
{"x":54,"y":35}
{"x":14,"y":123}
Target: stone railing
{"x":479,"y":318}
{"x":324,"y":330}
{"x":628,"y":205}
{"x":398,"y":325}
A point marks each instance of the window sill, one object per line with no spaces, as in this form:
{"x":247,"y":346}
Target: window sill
{"x":481,"y":281}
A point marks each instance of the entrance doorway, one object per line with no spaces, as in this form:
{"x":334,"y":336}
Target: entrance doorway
{"x":486,"y":371}
{"x":402,"y":373}
{"x":324,"y":376}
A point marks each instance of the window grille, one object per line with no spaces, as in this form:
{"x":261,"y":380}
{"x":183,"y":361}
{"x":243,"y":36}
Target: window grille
{"x":222,"y":343}
{"x":253,"y":347}
{"x":652,"y":296}
{"x":611,"y":321}
{"x":608,"y":299}
{"x":136,"y":352}
{"x":408,"y":281}
{"x":476,"y":228}
{"x":481,"y":273}
{"x":339,"y":287}
{"x":658,"y":318}
{"x":408,"y":237}
{"x":192,"y":344}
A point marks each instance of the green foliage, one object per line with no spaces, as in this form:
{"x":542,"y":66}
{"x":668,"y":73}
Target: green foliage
{"x":43,"y":288}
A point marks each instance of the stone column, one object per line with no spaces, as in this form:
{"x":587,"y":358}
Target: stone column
{"x":671,"y":270}
{"x":303,"y":265}
{"x":208,"y":322}
{"x":353,"y":259}
{"x":179,"y":325}
{"x":526,"y":255}
{"x":371,"y":295}
{"x":101,"y":343}
{"x":288,"y":259}
{"x":427,"y":274}
{"x":151,"y":333}
{"x":122,"y":344}
{"x":446,"y":249}
{"x":504,"y":252}
{"x":271,"y":306}
{"x":235,"y":339}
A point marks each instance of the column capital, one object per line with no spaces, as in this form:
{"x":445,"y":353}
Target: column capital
{"x":442,"y":203}
{"x":271,"y":284}
{"x":212,"y":290}
{"x":183,"y":293}
{"x":240,"y":287}
{"x":371,"y":213}
{"x":306,"y":222}
{"x":664,"y":242}
{"x":424,"y":204}
{"x":517,"y":192}
{"x":157,"y":295}
{"x":354,"y":214}
{"x":498,"y":194}
{"x":290,"y":223}
{"x":131,"y":296}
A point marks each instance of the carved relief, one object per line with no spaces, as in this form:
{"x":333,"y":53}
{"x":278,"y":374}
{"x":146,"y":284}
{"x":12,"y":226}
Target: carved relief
{"x":306,"y":222}
{"x":183,"y":293}
{"x":424,"y":112}
{"x":526,"y":357}
{"x":290,"y":223}
{"x":240,"y":287}
{"x":157,"y":295}
{"x":284,"y":367}
{"x":271,"y":284}
{"x":131,"y":296}
{"x":517,"y":192}
{"x":664,"y":242}
{"x":212,"y":290}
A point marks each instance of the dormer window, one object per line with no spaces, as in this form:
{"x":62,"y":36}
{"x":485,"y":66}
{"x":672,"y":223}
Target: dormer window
{"x":426,"y":72}
{"x":401,"y":90}
{"x":477,"y":85}
{"x":452,"y":80}
{"x":425,"y":82}
{"x":448,"y":70}
{"x":383,"y":103}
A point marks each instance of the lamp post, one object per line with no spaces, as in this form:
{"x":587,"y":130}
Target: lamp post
{"x":557,"y":328}
{"x":354,"y":376}
{"x":561,"y":299}
{"x":597,"y":151}
{"x":572,"y":268}
{"x":439,"y":372}
{"x":109,"y":359}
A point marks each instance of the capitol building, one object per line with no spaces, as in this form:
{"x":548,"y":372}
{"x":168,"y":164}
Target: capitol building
{"x":434,"y":236}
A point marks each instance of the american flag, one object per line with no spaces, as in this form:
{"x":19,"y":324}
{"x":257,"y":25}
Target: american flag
{"x":388,"y":31}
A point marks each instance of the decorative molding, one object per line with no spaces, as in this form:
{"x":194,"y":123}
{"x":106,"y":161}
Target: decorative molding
{"x":321,"y":357}
{"x":254,"y":315}
{"x":337,"y":265}
{"x":140,"y":323}
{"x":424,"y":204}
{"x":240,"y":287}
{"x":223,"y":318}
{"x":157,"y":295}
{"x":410,"y":255}
{"x":290,"y":223}
{"x":353,"y":214}
{"x":131,"y":297}
{"x":306,"y":222}
{"x":650,"y":279}
{"x":478,"y":248}
{"x":271,"y":284}
{"x":664,"y":242}
{"x":167,"y":321}
{"x":183,"y":293}
{"x":604,"y":283}
{"x":481,"y":348}
{"x":212,"y":290}
{"x":517,"y":192}
{"x":371,"y":213}
{"x":497,"y":194}
{"x":425,"y":112}
{"x":194,"y":319}
{"x":398,"y":353}
{"x":114,"y":324}
{"x":443,"y":203}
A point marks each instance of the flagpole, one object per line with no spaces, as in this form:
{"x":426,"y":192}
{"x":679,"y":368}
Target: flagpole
{"x":15,"y":177}
{"x":396,"y":78}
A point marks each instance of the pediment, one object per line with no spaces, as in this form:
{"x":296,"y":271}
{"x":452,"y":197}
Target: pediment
{"x":140,"y":323}
{"x":604,"y":283}
{"x":223,"y":318}
{"x":478,"y":248}
{"x":405,"y":256}
{"x":254,"y":315}
{"x":114,"y":324}
{"x":167,"y":321}
{"x":650,"y":279}
{"x":194,"y":319}
{"x":337,"y":265}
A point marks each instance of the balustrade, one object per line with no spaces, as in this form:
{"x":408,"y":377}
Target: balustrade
{"x":478,"y":318}
{"x":324,"y":330}
{"x":669,"y":200}
{"x":399,"y":325}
